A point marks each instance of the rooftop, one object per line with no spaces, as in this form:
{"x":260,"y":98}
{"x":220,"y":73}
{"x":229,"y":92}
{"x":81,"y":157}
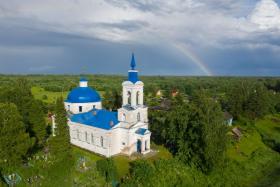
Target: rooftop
{"x":98,"y":118}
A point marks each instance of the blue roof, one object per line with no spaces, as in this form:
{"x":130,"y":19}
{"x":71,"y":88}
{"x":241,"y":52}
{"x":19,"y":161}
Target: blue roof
{"x":132,"y":62}
{"x":83,"y":95}
{"x":133,"y":76}
{"x":141,"y":131}
{"x":99,"y":118}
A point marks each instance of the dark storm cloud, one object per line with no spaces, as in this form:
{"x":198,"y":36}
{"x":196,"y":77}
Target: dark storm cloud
{"x":26,"y":50}
{"x":99,"y":36}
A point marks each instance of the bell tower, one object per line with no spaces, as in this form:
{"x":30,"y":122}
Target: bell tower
{"x":133,"y":87}
{"x":133,"y":109}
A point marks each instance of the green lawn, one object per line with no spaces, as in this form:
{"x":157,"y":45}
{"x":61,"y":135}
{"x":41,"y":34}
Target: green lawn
{"x":122,"y":162}
{"x":249,"y":142}
{"x":50,"y":97}
{"x":269,"y":127}
{"x":251,"y":160}
{"x":47,"y":96}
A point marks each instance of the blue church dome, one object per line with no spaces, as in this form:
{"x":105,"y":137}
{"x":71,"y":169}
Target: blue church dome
{"x":83,"y":95}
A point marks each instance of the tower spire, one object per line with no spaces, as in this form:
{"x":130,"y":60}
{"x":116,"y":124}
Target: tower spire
{"x":132,"y":62}
{"x":132,"y":73}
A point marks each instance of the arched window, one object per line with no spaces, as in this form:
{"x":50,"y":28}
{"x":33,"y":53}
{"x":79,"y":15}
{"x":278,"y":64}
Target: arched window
{"x":138,"y":98}
{"x":129,"y":97}
{"x":123,"y":117}
{"x":78,"y":135}
{"x":80,"y":108}
{"x":138,"y":116}
{"x":86,"y":137}
{"x":92,"y":139}
{"x":101,"y":141}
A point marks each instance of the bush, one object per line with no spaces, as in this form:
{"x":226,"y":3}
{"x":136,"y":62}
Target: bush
{"x":107,"y":169}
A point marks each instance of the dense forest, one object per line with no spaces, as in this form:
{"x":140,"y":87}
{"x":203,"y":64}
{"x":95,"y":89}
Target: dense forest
{"x":196,"y":146}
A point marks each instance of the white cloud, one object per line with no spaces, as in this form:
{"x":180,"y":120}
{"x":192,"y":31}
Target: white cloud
{"x":186,"y":21}
{"x":266,"y":15}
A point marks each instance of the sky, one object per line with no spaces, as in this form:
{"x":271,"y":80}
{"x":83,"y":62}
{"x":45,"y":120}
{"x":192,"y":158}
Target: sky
{"x":178,"y":37}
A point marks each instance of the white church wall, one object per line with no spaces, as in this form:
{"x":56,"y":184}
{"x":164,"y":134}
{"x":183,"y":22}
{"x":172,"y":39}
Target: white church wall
{"x":75,"y":107}
{"x":90,"y":138}
{"x":117,"y":139}
{"x":133,"y":116}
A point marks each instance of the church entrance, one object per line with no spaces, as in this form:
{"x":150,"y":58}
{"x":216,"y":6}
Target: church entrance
{"x":139,"y":144}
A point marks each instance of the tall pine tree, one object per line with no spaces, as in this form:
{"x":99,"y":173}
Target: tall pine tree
{"x":213,"y":137}
{"x":60,"y":144}
{"x":14,"y":141}
{"x":37,"y":122}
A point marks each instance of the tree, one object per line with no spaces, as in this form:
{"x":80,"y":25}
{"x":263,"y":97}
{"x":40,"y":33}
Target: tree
{"x":177,"y":124}
{"x":258,"y":102}
{"x":60,"y":144}
{"x":112,"y":100}
{"x":142,"y":171}
{"x":117,"y":99}
{"x":107,"y":102}
{"x":249,"y":100}
{"x":37,"y":121}
{"x":238,"y":97}
{"x":14,"y":141}
{"x":213,"y":139}
{"x":20,"y":94}
{"x":107,"y":169}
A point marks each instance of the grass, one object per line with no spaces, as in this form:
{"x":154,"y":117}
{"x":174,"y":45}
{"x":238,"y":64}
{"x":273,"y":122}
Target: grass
{"x":251,"y":159}
{"x":249,"y":142}
{"x":47,"y":96}
{"x":122,"y":164}
{"x":269,"y":127}
{"x":163,"y":153}
{"x":91,"y":157}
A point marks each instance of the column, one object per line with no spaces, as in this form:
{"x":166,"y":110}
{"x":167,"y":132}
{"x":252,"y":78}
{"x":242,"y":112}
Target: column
{"x":141,"y":98}
{"x":133,"y":98}
{"x":125,"y":96}
{"x":142,"y":145}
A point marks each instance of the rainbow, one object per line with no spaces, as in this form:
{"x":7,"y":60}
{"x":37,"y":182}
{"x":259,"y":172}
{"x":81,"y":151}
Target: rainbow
{"x":193,"y":57}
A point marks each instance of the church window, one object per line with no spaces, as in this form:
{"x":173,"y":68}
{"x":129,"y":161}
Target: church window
{"x":138,"y":116}
{"x":123,"y":143}
{"x":92,"y":139}
{"x":80,"y":108}
{"x":129,"y":97}
{"x":74,"y":135}
{"x":101,"y":141}
{"x":78,"y":135}
{"x":86,"y":136}
{"x":123,"y":117}
{"x":93,"y":106}
{"x":138,"y":98}
{"x":146,"y":145}
{"x":68,"y":107}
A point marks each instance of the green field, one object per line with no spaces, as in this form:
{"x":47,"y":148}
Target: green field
{"x":47,"y":96}
{"x":269,"y":127}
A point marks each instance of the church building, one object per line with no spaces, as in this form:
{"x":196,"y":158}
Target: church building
{"x":105,"y":132}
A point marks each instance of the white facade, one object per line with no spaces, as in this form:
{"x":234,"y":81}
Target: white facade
{"x":76,"y":108}
{"x":128,"y":136}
